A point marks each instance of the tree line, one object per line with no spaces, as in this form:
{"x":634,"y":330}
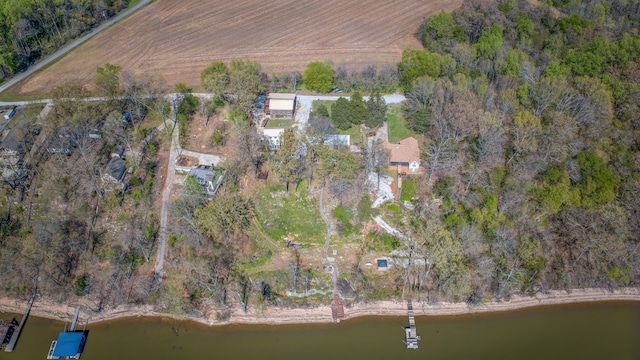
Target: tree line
{"x":529,"y":114}
{"x":32,"y":29}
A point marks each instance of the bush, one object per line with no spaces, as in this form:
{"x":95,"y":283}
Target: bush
{"x":364,"y":208}
{"x":318,"y":76}
{"x":344,"y":214}
{"x":81,"y":285}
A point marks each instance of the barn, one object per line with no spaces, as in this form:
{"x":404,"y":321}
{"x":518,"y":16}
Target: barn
{"x":280,"y":105}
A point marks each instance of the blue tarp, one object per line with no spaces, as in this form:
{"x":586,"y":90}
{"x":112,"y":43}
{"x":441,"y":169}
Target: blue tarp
{"x":69,"y":343}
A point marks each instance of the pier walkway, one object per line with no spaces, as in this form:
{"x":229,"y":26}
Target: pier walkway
{"x":410,"y":331}
{"x":16,"y":333}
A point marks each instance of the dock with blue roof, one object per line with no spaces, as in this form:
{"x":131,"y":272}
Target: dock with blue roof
{"x":69,"y":344}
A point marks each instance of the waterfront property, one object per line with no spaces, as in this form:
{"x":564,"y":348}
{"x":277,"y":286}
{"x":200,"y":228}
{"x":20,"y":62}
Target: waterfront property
{"x":69,"y":344}
{"x":15,"y":332}
{"x":6,"y":330}
{"x":337,"y":309}
{"x":411,"y":337}
{"x":591,"y":331}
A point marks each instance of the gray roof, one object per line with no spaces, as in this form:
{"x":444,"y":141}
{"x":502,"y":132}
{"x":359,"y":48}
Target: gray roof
{"x":204,"y":173}
{"x":117,"y":167}
{"x":20,"y":137}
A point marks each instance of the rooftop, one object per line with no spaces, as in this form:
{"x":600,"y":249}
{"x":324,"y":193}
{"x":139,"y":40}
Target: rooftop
{"x":117,"y":167}
{"x":406,"y":151}
{"x":204,"y":173}
{"x":382,"y":264}
{"x":282,"y":96}
{"x":69,"y":343}
{"x":278,"y":101}
{"x":272,"y":132}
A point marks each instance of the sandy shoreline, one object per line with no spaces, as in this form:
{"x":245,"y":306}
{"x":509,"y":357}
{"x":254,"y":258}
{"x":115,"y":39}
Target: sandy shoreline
{"x":322,"y":314}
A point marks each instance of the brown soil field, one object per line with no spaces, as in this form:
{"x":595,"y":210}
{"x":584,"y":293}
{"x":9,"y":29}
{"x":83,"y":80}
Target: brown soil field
{"x":177,"y":39}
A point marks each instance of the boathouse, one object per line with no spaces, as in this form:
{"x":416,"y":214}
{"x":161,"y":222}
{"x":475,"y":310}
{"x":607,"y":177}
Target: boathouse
{"x":68,"y":345}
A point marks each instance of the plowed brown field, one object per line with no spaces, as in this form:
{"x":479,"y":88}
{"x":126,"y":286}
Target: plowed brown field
{"x":178,"y":38}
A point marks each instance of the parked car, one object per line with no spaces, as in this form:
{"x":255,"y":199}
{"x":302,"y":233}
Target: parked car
{"x":371,"y":134}
{"x":338,"y":91}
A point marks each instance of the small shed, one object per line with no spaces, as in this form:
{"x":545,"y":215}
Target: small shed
{"x":69,"y":344}
{"x":382,"y":264}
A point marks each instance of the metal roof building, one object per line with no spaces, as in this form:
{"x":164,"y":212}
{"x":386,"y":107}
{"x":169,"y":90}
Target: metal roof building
{"x":69,"y":344}
{"x":281,"y":105}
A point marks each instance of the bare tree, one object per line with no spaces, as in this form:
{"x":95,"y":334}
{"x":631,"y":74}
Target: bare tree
{"x":249,"y":149}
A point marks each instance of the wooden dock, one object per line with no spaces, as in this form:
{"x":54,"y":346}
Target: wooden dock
{"x":411,"y":337}
{"x":337,"y":310}
{"x":16,"y":333}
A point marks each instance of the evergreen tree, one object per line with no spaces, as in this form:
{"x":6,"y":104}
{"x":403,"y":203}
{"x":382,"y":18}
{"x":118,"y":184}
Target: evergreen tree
{"x":341,"y":114}
{"x":358,"y":108}
{"x":376,"y":111}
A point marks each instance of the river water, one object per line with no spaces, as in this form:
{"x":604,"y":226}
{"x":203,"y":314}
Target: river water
{"x":608,"y":330}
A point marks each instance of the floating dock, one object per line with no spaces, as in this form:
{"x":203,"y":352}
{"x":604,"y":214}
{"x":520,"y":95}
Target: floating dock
{"x":69,"y":344}
{"x":16,"y":333}
{"x":411,"y":337}
{"x":6,"y":331}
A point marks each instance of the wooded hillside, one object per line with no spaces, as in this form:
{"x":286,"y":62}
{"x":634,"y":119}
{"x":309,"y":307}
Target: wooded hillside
{"x":531,"y":119}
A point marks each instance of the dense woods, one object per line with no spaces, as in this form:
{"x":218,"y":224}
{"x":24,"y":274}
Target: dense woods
{"x":528,"y":121}
{"x":531,"y":126}
{"x":32,"y":29}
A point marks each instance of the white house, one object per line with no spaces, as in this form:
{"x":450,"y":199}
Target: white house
{"x":272,"y":136}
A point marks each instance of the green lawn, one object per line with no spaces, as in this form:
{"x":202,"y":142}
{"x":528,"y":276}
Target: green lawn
{"x":295,"y":214}
{"x":280,"y":123}
{"x":397,"y":124}
{"x":326,"y":103}
{"x":354,"y":131}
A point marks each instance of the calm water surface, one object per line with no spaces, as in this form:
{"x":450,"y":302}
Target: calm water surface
{"x":609,"y":330}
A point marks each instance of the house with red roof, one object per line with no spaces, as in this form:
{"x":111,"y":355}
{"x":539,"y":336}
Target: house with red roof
{"x":405,"y":155}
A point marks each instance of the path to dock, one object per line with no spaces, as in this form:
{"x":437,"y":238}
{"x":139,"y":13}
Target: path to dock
{"x":411,"y":335}
{"x":16,"y":333}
